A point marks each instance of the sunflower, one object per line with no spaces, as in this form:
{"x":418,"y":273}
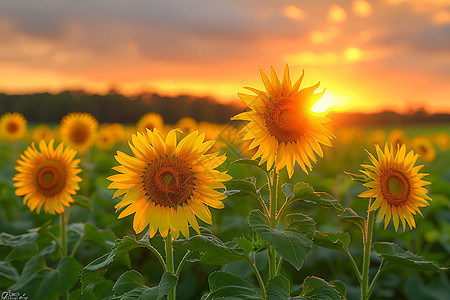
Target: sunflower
{"x":13,"y":126}
{"x":397,"y":137}
{"x":42,"y":132}
{"x":150,"y":121}
{"x":442,"y":141}
{"x":47,"y":177}
{"x":397,"y":186}
{"x":282,"y":124}
{"x":425,"y":148}
{"x":78,"y":130}
{"x":187,"y":125}
{"x":166,"y":184}
{"x":105,"y":138}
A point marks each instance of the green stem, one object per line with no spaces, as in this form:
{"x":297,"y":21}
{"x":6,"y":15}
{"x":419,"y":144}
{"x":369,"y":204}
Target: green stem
{"x":367,"y":247}
{"x":280,"y":264}
{"x":181,"y":264}
{"x":381,"y":269}
{"x":62,"y":225}
{"x":58,"y":243}
{"x":75,"y":248}
{"x":258,"y":276}
{"x":169,"y":261}
{"x":355,"y":267}
{"x":273,"y":186}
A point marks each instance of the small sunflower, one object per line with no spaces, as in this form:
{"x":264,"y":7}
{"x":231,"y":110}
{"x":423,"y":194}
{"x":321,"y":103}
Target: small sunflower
{"x":282,"y":124}
{"x":13,"y":126}
{"x":166,"y":184}
{"x":47,"y":177}
{"x":396,"y":185}
{"x":78,"y":130}
{"x":42,"y":132}
{"x":424,"y":148}
{"x":397,"y":137}
{"x":150,"y":121}
{"x":442,"y":141}
{"x":187,"y":125}
{"x":105,"y":138}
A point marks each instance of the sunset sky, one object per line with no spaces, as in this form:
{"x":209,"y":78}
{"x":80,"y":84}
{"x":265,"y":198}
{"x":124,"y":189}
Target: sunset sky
{"x":367,"y":55}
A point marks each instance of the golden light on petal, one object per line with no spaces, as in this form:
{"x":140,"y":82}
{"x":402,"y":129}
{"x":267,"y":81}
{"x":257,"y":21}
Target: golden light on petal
{"x":47,"y":177}
{"x":281,"y":124}
{"x":362,"y":8}
{"x":324,"y":103}
{"x":293,"y":12}
{"x":395,"y":185}
{"x":336,"y":14}
{"x":168,"y":183}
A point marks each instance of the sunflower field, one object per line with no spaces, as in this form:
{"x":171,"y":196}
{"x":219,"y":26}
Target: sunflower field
{"x":276,"y":204}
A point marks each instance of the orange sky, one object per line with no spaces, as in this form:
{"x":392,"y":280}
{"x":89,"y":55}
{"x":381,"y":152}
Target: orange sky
{"x":386,"y":54}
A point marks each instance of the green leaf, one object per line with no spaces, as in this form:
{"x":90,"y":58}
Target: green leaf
{"x":99,"y":266}
{"x":316,"y":288}
{"x":291,"y":242}
{"x":340,"y":287}
{"x":132,"y":279}
{"x":22,"y":251}
{"x":128,"y":281}
{"x":62,"y":279}
{"x":213,"y":250}
{"x":83,"y":202}
{"x":17,"y":240}
{"x":335,"y":241}
{"x":278,"y":288}
{"x":8,"y":271}
{"x":32,"y":274}
{"x":93,"y":235}
{"x":398,"y":257}
{"x":167,"y":282}
{"x":304,"y":192}
{"x":254,"y":163}
{"x":241,"y":188}
{"x":223,"y":285}
{"x":357,"y":177}
{"x":350,"y":215}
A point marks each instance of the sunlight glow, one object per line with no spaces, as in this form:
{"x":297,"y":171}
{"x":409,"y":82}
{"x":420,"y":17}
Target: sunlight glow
{"x":336,"y":14}
{"x":323,"y":104}
{"x":293,"y":12}
{"x":334,"y":101}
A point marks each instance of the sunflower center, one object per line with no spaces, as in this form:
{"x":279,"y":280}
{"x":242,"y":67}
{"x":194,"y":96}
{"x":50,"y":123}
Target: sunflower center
{"x":150,"y":126}
{"x":12,"y":127}
{"x":49,"y":178}
{"x":79,"y":133}
{"x":395,"y":187}
{"x":168,"y":181}
{"x":423,"y":149}
{"x":283,"y":120}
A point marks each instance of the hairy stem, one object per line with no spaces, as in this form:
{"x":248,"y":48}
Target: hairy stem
{"x":169,"y":261}
{"x":258,"y":276}
{"x":367,"y":247}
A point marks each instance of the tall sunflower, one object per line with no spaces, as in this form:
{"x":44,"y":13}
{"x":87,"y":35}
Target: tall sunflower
{"x":47,"y":177}
{"x":78,"y":130}
{"x":167,"y":183}
{"x":282,"y":124}
{"x":13,"y":126}
{"x":396,"y":185}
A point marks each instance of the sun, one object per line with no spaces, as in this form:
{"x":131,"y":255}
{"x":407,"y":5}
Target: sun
{"x":324,"y":103}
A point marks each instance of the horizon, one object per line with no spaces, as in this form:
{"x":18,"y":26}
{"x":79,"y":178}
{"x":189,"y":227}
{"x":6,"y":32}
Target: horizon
{"x":367,"y":56}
